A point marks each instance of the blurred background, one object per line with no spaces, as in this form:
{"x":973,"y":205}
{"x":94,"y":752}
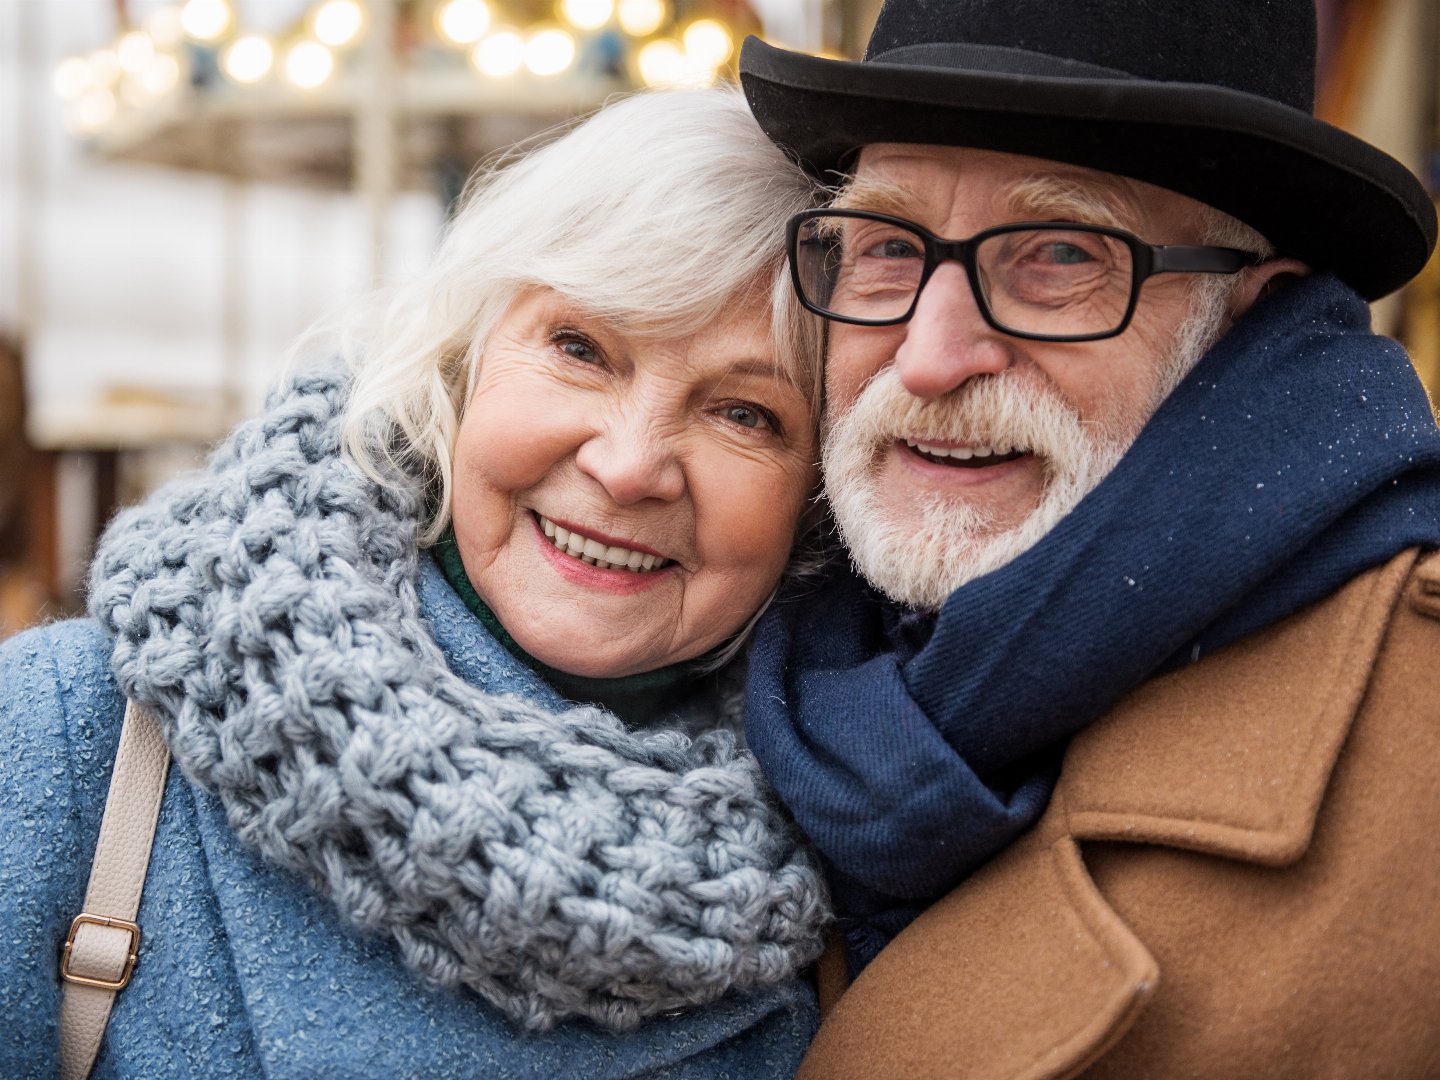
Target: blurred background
{"x":186,"y":185}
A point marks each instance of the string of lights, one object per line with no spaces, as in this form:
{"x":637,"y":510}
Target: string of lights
{"x":187,"y":45}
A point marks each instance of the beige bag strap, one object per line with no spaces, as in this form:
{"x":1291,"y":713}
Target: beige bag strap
{"x":104,"y":941}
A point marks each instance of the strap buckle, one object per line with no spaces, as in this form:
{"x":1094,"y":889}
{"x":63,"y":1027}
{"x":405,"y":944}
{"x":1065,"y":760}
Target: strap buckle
{"x":130,"y":960}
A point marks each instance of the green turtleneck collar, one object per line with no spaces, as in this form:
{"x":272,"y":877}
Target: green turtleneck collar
{"x":636,"y":699}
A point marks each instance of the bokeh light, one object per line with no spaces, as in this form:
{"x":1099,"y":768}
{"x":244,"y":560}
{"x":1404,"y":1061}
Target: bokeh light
{"x":248,"y":59}
{"x":134,"y":50}
{"x":661,"y":63}
{"x":641,"y":18}
{"x":587,"y":14}
{"x":205,"y":20}
{"x":71,"y":78}
{"x":308,"y":64}
{"x":549,"y":51}
{"x":708,"y":42}
{"x":500,"y":54}
{"x":337,"y":23}
{"x":462,"y":22}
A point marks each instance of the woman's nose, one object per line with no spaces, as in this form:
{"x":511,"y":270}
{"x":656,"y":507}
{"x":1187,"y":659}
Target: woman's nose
{"x":633,"y":460}
{"x":947,"y":340}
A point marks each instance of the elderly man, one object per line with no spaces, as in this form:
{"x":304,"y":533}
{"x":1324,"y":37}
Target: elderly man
{"x":1122,"y":756}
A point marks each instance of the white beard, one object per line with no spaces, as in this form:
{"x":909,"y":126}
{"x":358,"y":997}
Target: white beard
{"x":920,"y":565}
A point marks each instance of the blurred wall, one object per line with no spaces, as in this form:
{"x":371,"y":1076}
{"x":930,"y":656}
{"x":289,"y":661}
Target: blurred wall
{"x":115,"y":273}
{"x":177,"y":292}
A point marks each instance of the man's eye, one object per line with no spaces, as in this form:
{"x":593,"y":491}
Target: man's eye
{"x":896,"y":247}
{"x":1068,"y":254}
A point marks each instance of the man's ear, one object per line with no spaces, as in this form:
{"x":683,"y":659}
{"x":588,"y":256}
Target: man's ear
{"x":1257,"y":282}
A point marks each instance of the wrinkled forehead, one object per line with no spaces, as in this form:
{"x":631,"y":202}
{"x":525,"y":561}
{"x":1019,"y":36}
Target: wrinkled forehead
{"x":947,"y":188}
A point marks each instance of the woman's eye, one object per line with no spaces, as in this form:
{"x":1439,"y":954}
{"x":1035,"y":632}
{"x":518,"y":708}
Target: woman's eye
{"x":576,"y":345}
{"x":750,"y":416}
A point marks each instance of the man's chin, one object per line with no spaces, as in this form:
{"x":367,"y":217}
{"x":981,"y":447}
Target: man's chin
{"x":918,"y":555}
{"x":919,"y":567}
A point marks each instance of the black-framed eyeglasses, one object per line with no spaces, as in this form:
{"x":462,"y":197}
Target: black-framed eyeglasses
{"x":1043,"y":280}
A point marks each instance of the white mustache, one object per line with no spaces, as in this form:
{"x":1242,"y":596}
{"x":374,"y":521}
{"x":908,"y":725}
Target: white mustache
{"x":993,"y":410}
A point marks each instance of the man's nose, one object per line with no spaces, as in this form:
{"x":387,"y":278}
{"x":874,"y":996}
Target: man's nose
{"x":947,"y":340}
{"x":633,"y":459}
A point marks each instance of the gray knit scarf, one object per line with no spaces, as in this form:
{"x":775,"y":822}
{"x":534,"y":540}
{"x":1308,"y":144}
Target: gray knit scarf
{"x":552,"y":861}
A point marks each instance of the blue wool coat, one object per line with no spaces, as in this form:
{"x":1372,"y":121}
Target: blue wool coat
{"x":243,"y":970}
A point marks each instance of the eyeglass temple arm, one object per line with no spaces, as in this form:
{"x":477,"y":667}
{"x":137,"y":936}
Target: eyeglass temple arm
{"x":1193,"y":259}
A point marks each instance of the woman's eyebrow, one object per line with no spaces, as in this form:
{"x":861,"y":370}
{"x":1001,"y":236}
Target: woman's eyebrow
{"x":746,"y":368}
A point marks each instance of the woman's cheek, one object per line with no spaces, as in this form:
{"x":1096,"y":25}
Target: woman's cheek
{"x":748,"y":515}
{"x":517,"y":441}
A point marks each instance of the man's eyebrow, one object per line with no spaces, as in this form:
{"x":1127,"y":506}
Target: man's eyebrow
{"x":1047,"y":197}
{"x":1042,"y":197}
{"x":876,"y":195}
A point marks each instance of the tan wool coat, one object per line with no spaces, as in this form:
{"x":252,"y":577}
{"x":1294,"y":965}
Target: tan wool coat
{"x":1238,"y":876}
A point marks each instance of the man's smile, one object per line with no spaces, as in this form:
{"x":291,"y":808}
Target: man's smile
{"x":966,"y":457}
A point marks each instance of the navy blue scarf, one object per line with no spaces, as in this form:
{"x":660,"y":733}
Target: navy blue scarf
{"x":1300,"y":452}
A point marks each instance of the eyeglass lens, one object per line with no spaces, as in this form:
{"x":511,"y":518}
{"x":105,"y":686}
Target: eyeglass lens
{"x":1045,"y":281}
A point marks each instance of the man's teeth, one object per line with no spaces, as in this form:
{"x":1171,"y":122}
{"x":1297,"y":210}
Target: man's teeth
{"x":596,"y":554}
{"x":963,"y":453}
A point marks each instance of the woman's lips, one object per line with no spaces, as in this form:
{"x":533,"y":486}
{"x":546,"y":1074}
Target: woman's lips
{"x":594,"y":576}
{"x":599,"y":551}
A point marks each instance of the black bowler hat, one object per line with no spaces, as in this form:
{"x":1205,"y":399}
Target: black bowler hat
{"x":1210,"y":98}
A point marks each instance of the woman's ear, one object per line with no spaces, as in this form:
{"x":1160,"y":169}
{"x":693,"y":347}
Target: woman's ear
{"x":1258,"y":282}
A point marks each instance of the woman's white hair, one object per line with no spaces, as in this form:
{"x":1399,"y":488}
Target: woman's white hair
{"x":658,"y":212}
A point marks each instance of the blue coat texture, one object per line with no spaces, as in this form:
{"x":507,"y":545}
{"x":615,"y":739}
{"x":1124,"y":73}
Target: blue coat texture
{"x":244,"y":971}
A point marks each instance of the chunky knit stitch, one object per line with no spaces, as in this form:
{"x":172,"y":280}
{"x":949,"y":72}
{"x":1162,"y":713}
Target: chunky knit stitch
{"x":554,"y":862}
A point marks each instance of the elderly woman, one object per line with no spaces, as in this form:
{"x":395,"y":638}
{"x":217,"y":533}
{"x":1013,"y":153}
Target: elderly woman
{"x":564,"y":468}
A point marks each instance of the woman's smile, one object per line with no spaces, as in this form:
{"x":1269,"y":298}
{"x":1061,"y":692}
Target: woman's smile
{"x":573,"y":562}
{"x":602,"y":552}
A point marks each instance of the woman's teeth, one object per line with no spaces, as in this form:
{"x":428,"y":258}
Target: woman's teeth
{"x":597,"y":554}
{"x":961,"y":453}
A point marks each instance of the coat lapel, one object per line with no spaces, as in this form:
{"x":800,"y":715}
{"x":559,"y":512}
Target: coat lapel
{"x":1025,"y":971}
{"x":1231,"y":756}
{"x":1021,"y":972}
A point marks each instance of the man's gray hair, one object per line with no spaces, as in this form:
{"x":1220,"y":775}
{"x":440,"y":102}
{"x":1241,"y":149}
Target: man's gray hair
{"x":658,"y":212}
{"x":1210,"y":295}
